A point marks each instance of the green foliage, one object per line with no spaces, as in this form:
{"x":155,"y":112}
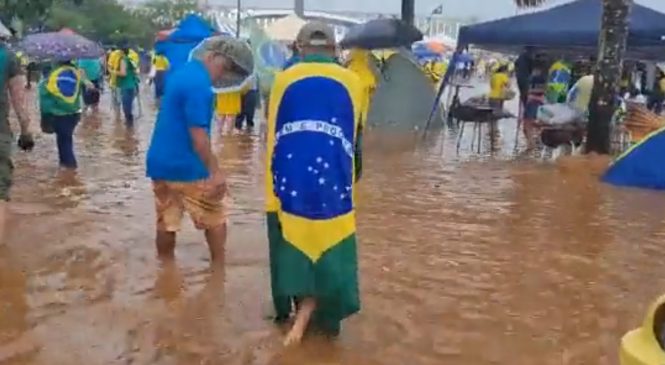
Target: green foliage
{"x":106,"y":21}
{"x":166,"y":13}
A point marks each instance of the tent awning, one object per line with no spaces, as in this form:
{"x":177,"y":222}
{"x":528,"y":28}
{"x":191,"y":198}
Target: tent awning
{"x":573,"y":26}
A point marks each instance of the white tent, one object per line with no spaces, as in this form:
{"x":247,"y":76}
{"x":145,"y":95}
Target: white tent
{"x":4,"y":32}
{"x":285,"y":29}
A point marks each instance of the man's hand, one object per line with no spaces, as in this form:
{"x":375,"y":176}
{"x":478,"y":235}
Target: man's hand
{"x":216,"y":186}
{"x":26,"y":142}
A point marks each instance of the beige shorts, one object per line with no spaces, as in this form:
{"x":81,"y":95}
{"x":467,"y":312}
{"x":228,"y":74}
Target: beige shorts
{"x":173,"y":199}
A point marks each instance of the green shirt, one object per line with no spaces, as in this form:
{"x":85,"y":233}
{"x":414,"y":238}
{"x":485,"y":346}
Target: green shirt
{"x":10,"y":67}
{"x":130,"y":80}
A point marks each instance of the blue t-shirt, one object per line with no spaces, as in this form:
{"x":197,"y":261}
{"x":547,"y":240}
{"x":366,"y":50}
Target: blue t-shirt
{"x":188,"y":102}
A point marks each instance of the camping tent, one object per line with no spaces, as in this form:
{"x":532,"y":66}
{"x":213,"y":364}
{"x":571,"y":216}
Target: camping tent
{"x":179,"y":43}
{"x":571,"y":27}
{"x":404,"y":94}
{"x":285,"y":29}
{"x":642,"y":165}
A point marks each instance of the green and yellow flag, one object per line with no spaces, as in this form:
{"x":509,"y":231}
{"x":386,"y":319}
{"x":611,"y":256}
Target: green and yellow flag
{"x":313,"y":128}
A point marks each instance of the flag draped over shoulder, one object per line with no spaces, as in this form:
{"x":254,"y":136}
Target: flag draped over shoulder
{"x":314,"y":120}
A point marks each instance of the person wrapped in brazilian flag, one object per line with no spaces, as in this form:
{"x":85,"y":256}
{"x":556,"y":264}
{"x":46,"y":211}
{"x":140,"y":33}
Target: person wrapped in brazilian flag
{"x":313,"y":162}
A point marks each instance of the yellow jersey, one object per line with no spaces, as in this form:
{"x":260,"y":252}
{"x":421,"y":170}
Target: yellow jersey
{"x":498,"y":85}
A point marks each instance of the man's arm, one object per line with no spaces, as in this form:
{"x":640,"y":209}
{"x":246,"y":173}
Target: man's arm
{"x":17,"y":95}
{"x":203,"y":148}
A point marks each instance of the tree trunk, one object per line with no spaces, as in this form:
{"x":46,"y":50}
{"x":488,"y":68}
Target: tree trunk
{"x":409,"y":11}
{"x":607,"y":77}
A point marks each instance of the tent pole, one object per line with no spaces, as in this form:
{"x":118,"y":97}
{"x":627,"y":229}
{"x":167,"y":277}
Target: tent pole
{"x":408,"y":11}
{"x":238,"y":8}
{"x":299,"y":8}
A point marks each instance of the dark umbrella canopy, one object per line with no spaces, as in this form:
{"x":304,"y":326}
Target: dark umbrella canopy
{"x":59,"y":46}
{"x":381,"y":33}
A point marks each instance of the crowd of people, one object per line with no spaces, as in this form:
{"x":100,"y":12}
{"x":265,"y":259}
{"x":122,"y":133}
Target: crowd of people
{"x":315,"y":114}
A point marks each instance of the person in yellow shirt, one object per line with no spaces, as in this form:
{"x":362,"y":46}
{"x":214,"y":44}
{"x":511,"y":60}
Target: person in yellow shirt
{"x":359,"y":63}
{"x":227,"y":107}
{"x":499,"y":86}
{"x":160,"y":65}
{"x":113,"y":67}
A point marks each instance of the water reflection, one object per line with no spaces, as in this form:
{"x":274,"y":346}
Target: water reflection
{"x":464,"y":258}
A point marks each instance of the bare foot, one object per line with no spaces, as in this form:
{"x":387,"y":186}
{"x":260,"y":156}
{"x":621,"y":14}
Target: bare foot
{"x":305,"y":310}
{"x":294,"y":337}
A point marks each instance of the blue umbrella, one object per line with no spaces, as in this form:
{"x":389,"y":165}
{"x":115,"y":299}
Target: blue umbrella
{"x":59,"y":46}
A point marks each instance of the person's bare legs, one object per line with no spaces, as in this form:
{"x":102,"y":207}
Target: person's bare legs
{"x":216,"y":238}
{"x":165,"y":243}
{"x":303,"y":316}
{"x":3,"y":219}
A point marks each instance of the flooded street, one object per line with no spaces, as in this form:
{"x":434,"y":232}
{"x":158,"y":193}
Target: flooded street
{"x":463,"y":260}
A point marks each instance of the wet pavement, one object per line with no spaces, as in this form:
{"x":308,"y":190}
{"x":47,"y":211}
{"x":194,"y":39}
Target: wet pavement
{"x":464,"y":258}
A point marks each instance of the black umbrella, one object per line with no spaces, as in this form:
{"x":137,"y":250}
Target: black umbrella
{"x":381,"y":33}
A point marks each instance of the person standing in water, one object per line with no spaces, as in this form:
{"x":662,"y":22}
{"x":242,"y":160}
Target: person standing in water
{"x":12,"y":90}
{"x":60,"y":107}
{"x":127,"y":81}
{"x":186,"y":176}
{"x":313,"y":163}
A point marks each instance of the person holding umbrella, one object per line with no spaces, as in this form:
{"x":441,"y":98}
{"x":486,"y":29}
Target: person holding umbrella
{"x":11,"y":91}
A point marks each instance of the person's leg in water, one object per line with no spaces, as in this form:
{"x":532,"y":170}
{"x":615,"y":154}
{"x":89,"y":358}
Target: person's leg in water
{"x":306,"y":308}
{"x":64,"y":127}
{"x":169,"y":211}
{"x":128,"y":95}
{"x":216,"y":238}
{"x":249,"y":107}
{"x":6,"y":178}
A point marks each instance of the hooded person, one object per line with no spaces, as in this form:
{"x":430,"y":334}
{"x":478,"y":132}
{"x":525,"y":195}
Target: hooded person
{"x":313,"y":164}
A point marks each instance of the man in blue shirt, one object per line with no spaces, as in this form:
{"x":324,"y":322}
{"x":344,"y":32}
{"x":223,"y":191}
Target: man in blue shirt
{"x":185,"y":173}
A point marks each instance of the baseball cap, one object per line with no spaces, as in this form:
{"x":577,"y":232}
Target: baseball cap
{"x":235,"y":50}
{"x":317,"y":34}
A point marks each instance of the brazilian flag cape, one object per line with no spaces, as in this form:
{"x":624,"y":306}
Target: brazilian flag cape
{"x":312,"y":164}
{"x":60,"y":92}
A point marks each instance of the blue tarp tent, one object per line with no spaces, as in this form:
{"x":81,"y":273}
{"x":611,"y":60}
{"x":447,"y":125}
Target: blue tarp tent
{"x":572,"y":27}
{"x":191,"y":31}
{"x":642,"y":166}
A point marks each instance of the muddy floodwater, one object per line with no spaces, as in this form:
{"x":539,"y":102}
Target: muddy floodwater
{"x":464,"y":259}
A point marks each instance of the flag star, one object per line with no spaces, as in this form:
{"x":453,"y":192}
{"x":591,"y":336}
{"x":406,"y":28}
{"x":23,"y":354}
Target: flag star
{"x":319,"y":160}
{"x":333,"y":120}
{"x":322,"y":181}
{"x":332,"y":143}
{"x":325,"y":165}
{"x":342,"y":196}
{"x":289,"y":155}
{"x":335,"y":188}
{"x":309,"y":168}
{"x":282,"y":188}
{"x":294,"y":193}
{"x":348,"y":188}
{"x":283,"y":180}
{"x":316,"y":171}
{"x":325,"y":205}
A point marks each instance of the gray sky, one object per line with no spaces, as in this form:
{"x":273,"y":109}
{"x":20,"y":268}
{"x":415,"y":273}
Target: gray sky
{"x":484,"y":9}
